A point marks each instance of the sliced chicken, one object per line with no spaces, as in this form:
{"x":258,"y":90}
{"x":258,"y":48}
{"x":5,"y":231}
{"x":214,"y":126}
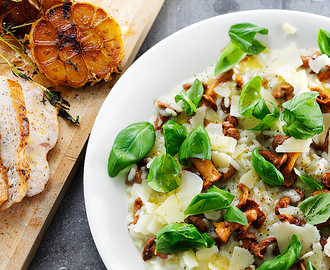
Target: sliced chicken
{"x":28,"y":130}
{"x":43,"y":136}
{"x":14,"y":131}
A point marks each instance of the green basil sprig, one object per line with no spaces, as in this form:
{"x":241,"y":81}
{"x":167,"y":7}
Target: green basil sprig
{"x":252,"y":103}
{"x":242,"y":44}
{"x":213,"y":200}
{"x":196,"y":145}
{"x":191,"y":98}
{"x":164,"y":174}
{"x":309,"y":181}
{"x":242,"y":34}
{"x":228,"y":58}
{"x":234,"y":214}
{"x":303,"y":116}
{"x":267,"y":171}
{"x":181,"y":236}
{"x":310,"y":266}
{"x":174,"y":135}
{"x":287,"y":258}
{"x":316,"y":208}
{"x":323,"y":40}
{"x":131,"y":145}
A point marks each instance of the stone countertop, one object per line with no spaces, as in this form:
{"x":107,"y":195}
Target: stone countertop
{"x":68,"y":243}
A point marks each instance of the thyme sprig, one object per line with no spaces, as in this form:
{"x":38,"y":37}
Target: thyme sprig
{"x":54,"y":97}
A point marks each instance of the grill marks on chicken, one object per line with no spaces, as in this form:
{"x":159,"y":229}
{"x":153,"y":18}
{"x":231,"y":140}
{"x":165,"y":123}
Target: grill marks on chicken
{"x":20,"y":141}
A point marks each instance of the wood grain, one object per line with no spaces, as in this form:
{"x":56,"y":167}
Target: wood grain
{"x":23,"y":225}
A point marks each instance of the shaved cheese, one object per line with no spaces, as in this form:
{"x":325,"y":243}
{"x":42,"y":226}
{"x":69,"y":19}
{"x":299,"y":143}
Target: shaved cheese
{"x":318,"y":63}
{"x":198,"y":118}
{"x":219,"y":263}
{"x":219,"y":142}
{"x":234,"y":106}
{"x":213,"y":128}
{"x":317,"y":258}
{"x":220,"y":160}
{"x":189,"y":259}
{"x":298,"y":79}
{"x":287,"y":59}
{"x":142,"y":224}
{"x":286,"y":66}
{"x":327,"y":247}
{"x":289,"y":29}
{"x":171,"y":210}
{"x":250,"y":178}
{"x":206,"y":253}
{"x":294,"y":145}
{"x":268,"y":96}
{"x":308,"y":235}
{"x":320,"y":138}
{"x":291,"y":210}
{"x":154,"y":226}
{"x":212,"y":116}
{"x":241,"y":259}
{"x":191,"y":185}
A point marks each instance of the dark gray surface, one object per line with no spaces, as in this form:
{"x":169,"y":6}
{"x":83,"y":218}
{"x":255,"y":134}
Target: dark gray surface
{"x":68,"y":243}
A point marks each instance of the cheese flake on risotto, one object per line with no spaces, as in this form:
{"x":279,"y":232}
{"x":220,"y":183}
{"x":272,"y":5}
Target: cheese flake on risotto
{"x":232,"y":170}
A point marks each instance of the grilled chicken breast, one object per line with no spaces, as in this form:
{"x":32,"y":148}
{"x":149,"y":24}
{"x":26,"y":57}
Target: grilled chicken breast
{"x":28,"y":130}
{"x":14,"y":130}
{"x":43,"y":136}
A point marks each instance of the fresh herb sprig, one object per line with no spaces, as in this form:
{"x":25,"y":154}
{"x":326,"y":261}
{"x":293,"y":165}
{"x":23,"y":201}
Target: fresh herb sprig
{"x":242,"y":44}
{"x":309,"y":181}
{"x":164,"y":174}
{"x":191,"y":98}
{"x":267,"y":171}
{"x":316,"y":208}
{"x":251,"y":103}
{"x":131,"y":145}
{"x":302,"y":116}
{"x":213,"y":200}
{"x":181,"y":236}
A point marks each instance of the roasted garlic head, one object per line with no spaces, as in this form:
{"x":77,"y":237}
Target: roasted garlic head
{"x":76,"y":43}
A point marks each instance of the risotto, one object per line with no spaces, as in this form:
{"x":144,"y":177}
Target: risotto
{"x":237,"y":174}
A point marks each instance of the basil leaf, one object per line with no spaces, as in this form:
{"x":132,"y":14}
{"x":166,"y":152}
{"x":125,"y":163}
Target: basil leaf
{"x":309,"y":181}
{"x":197,"y":145}
{"x":316,"y":208}
{"x":267,"y":171}
{"x":181,"y":236}
{"x":303,"y":116}
{"x":310,"y":266}
{"x":174,"y":135}
{"x":261,"y":109}
{"x":242,"y":34}
{"x":228,"y":58}
{"x":215,"y":199}
{"x":268,"y":120}
{"x":164,"y":174}
{"x":131,"y":145}
{"x":250,"y":96}
{"x":323,"y":40}
{"x":287,"y":258}
{"x":234,"y":214}
{"x":191,"y":98}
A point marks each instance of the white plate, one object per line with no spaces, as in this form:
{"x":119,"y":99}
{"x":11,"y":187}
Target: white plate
{"x":155,"y":73}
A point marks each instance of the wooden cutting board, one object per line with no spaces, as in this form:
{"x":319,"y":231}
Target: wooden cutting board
{"x":22,"y":226}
